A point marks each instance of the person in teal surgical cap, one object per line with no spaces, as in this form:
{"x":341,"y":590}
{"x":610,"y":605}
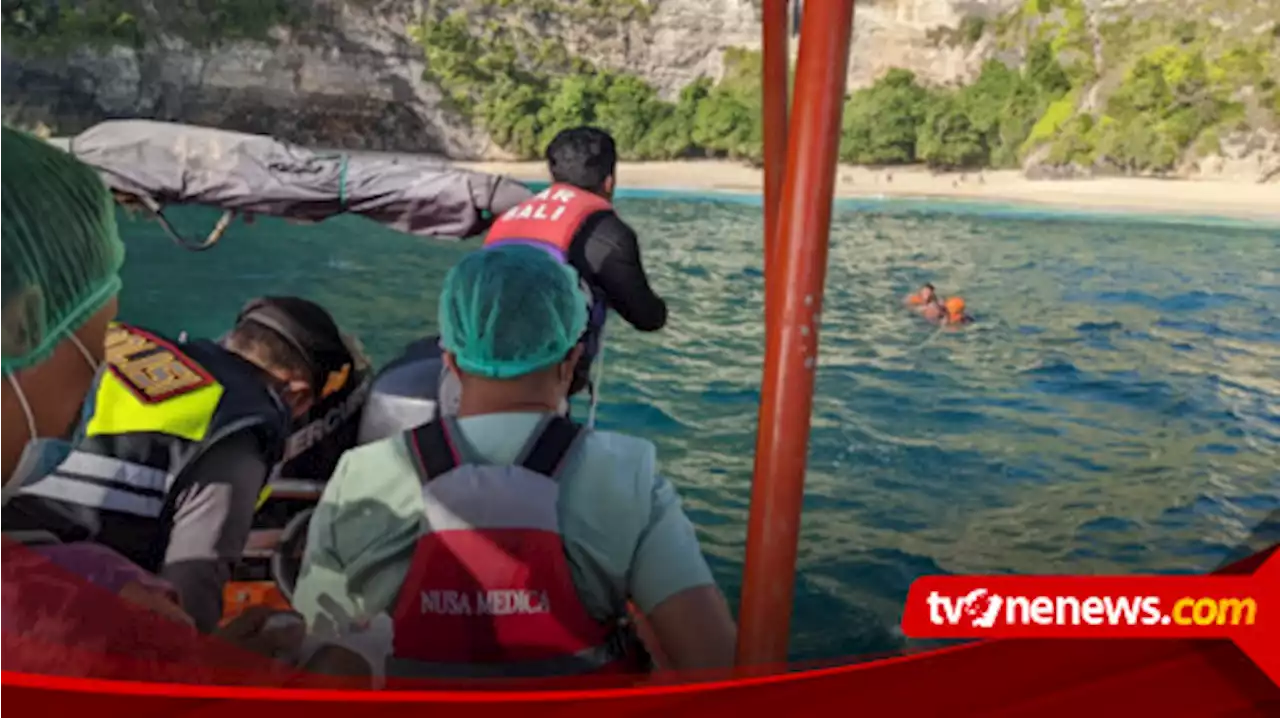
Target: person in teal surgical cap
{"x":509,"y":540}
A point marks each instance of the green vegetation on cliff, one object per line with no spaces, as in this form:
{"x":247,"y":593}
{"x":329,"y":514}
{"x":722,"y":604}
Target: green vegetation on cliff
{"x":983,"y":124}
{"x":498,"y":70}
{"x":1167,"y":82}
{"x":44,"y":27}
{"x":1099,"y":92}
{"x":524,"y":88}
{"x":1162,"y":88}
{"x":1135,"y":88}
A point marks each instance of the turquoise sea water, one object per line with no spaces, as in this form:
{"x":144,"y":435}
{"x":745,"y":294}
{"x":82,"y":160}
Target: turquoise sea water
{"x":1116,"y":408}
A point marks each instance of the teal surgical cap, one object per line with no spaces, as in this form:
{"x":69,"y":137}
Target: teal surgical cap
{"x":61,"y":251}
{"x":510,"y":311}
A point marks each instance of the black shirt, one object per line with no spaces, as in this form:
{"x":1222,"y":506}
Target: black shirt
{"x":606,"y":252}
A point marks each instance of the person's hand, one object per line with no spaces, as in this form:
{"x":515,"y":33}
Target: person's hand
{"x":334,"y":660}
{"x":266,"y":631}
{"x":647,"y":638}
{"x":156,"y":601}
{"x":360,"y":650}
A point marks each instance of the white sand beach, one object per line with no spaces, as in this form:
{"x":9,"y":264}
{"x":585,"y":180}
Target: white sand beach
{"x":1218,"y":198}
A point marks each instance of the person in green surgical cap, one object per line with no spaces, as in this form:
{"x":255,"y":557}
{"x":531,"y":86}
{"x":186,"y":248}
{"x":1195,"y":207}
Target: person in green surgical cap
{"x":61,"y":259}
{"x":61,"y":255}
{"x":508,"y":540}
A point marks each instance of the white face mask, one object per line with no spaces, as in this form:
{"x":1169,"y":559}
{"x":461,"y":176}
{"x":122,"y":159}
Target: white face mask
{"x":41,"y":454}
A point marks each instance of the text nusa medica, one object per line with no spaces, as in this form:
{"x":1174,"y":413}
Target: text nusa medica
{"x":1092,"y":611}
{"x":498,"y":602}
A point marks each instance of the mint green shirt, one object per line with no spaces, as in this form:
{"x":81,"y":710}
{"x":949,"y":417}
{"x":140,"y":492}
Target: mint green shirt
{"x":626,"y":535}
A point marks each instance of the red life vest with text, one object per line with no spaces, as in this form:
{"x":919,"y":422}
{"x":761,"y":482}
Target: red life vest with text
{"x":548,"y":220}
{"x":489,"y":592}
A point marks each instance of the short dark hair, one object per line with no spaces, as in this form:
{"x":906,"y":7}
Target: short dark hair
{"x":583,"y":157}
{"x":929,"y":287}
{"x":269,"y":347}
{"x":292,"y":334}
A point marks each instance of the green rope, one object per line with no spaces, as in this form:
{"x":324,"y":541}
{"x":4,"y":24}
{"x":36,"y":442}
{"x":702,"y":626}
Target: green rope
{"x":342,"y":183}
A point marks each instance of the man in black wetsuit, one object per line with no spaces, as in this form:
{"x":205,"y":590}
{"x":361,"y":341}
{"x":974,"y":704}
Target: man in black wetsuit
{"x":574,"y":220}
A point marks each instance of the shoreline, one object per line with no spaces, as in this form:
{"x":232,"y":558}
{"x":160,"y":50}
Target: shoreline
{"x":1223,"y":198}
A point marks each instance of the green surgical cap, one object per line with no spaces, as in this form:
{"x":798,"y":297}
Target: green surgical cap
{"x":510,"y":311}
{"x":61,"y":250}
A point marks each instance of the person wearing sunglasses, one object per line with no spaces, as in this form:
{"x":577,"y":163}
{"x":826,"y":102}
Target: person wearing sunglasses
{"x":178,"y":440}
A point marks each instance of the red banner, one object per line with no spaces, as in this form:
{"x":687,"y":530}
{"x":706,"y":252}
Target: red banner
{"x":1244,"y":609}
{"x":1005,"y":676}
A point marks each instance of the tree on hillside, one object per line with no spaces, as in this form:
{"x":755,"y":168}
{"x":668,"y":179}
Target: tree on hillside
{"x":629,"y":107}
{"x":948,"y":139}
{"x":1045,"y":72}
{"x":727,"y":120}
{"x":881,"y":122}
{"x":671,"y":132}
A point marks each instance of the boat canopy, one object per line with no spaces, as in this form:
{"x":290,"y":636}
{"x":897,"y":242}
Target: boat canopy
{"x":156,"y":164}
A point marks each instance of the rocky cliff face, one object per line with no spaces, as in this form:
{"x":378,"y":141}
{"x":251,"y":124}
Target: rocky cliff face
{"x":354,"y":83}
{"x":921,"y":36}
{"x":353,"y":79}
{"x":685,"y":39}
{"x":346,"y":73}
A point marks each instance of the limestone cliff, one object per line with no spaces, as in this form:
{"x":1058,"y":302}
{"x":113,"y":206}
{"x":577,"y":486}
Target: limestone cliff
{"x":354,"y":74}
{"x":349,"y":76}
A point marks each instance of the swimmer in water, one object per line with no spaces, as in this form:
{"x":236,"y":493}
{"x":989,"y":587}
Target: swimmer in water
{"x":926,"y":295}
{"x":927,"y":303}
{"x":955,"y":312}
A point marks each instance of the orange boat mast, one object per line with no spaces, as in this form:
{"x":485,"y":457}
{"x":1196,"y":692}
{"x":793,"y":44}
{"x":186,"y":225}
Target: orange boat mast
{"x":795,"y":272}
{"x":775,"y":58}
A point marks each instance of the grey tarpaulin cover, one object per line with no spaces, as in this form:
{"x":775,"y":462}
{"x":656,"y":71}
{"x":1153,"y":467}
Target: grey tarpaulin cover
{"x":164,"y":163}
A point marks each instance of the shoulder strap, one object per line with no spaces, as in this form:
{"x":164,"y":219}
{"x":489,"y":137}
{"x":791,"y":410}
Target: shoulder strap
{"x":552,"y":444}
{"x":434,"y":450}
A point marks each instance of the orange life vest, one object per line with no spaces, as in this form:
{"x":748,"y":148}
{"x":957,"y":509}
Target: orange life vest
{"x":548,"y":220}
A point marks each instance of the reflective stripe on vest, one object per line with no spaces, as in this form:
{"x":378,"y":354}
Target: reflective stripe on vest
{"x":489,"y":590}
{"x":105,"y":482}
{"x":33,"y":538}
{"x":154,"y":409}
